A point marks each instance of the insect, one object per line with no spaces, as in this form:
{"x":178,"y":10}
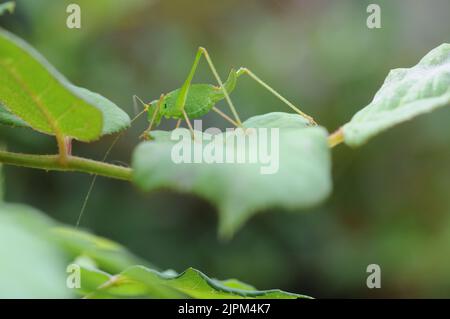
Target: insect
{"x":193,"y":101}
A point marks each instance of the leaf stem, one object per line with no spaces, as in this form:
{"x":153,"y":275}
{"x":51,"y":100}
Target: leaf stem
{"x":336,"y":138}
{"x":72,"y":163}
{"x":62,"y":148}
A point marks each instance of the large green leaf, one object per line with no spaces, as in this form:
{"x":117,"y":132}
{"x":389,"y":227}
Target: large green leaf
{"x":405,"y":94}
{"x":31,"y":266}
{"x":141,"y":282}
{"x":34,"y":91}
{"x":239,"y":190}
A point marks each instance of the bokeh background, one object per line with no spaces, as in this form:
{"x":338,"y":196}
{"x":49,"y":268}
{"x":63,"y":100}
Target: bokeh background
{"x":391,"y":203}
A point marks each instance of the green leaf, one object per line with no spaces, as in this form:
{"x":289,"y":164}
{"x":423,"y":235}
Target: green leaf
{"x":141,"y":282}
{"x":34,"y":91}
{"x":405,"y":94}
{"x":240,"y":190}
{"x":31,"y":265}
{"x":7,"y":7}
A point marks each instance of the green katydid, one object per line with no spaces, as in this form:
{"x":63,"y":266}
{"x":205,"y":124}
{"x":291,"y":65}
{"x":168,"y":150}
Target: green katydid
{"x":193,"y":101}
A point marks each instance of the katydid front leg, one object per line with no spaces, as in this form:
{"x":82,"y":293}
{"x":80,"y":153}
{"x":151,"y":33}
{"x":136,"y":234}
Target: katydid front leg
{"x":136,"y":100}
{"x":146,"y":134}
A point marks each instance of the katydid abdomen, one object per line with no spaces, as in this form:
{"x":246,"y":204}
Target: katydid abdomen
{"x":200,"y":100}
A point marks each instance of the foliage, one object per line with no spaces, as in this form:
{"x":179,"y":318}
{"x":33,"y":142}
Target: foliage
{"x":43,"y":250}
{"x":405,"y":94}
{"x":43,"y":99}
{"x":141,"y":282}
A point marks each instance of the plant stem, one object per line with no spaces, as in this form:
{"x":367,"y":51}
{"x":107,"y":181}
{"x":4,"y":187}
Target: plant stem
{"x":72,"y":163}
{"x":336,"y":138}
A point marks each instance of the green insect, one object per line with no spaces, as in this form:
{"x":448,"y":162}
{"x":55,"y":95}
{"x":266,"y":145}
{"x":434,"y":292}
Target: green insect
{"x":195,"y":100}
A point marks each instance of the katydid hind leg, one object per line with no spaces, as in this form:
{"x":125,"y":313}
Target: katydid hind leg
{"x":222,"y":86}
{"x":224,"y":116}
{"x":253,"y":76}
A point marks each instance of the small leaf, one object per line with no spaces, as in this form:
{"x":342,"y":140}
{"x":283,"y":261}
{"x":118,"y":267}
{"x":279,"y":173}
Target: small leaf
{"x":240,"y":190}
{"x":141,"y":282}
{"x":34,"y":91}
{"x":405,"y":94}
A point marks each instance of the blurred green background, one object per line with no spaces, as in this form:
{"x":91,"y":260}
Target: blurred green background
{"x":391,"y":203}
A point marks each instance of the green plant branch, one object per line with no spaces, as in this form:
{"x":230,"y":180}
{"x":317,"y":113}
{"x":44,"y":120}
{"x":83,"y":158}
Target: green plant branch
{"x":72,"y":163}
